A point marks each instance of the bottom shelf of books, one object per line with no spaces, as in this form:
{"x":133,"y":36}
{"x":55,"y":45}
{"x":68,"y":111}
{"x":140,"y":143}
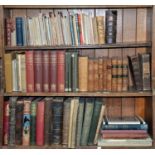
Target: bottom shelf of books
{"x":71,"y":122}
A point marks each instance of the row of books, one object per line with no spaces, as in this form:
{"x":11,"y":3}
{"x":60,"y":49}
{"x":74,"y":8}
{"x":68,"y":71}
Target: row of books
{"x":124,"y":131}
{"x":69,"y":122}
{"x":67,"y":71}
{"x":62,"y":27}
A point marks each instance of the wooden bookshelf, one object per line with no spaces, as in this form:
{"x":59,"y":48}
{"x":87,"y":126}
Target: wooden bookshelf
{"x":135,"y":34}
{"x":104,"y":46}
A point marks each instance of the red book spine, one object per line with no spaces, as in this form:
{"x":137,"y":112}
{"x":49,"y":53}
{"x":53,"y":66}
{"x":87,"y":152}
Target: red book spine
{"x":80,"y":26}
{"x":60,"y":71}
{"x":45,"y":71}
{"x":53,"y":71}
{"x":6,"y":122}
{"x":8,"y":32}
{"x":40,"y":123}
{"x":29,"y":71}
{"x":38,"y":71}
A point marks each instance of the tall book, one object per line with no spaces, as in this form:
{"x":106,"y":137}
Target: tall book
{"x":29,"y":60}
{"x":125,"y":81}
{"x":104,"y":74}
{"x":40,"y":123}
{"x":83,"y":73}
{"x":95,"y":119}
{"x":8,"y":29}
{"x":109,"y":75}
{"x":60,"y":71}
{"x":96,"y":75}
{"x":80,"y":120}
{"x":100,"y":74}
{"x":12,"y":121}
{"x":38,"y":71}
{"x":53,"y":71}
{"x":67,"y":65}
{"x":57,"y":116}
{"x":120,"y":76}
{"x":146,"y":70}
{"x":114,"y":71}
{"x":47,"y":119}
{"x":87,"y":121}
{"x":26,"y":122}
{"x":8,"y":71}
{"x":19,"y":121}
{"x":46,"y":71}
{"x":90,"y":74}
{"x":6,"y":122}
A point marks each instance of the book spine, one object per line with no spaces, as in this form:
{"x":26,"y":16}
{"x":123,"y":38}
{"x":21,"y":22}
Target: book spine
{"x":29,"y":71}
{"x":40,"y":123}
{"x":6,"y":123}
{"x":60,"y":71}
{"x":26,"y":123}
{"x":83,"y":73}
{"x":125,"y":81}
{"x":109,"y":75}
{"x":71,"y":29}
{"x":67,"y":71}
{"x":12,"y":121}
{"x":90,"y":75}
{"x":100,"y":74}
{"x":96,"y":77}
{"x":53,"y":71}
{"x":114,"y":73}
{"x":8,"y":31}
{"x":120,"y":75}
{"x":19,"y":31}
{"x":19,"y":121}
{"x":70,"y":71}
{"x":104,"y":74}
{"x":38,"y":71}
{"x":46,"y":71}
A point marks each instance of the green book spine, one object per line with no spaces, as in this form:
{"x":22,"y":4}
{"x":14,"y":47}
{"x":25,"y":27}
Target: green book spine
{"x":69,"y":72}
{"x":75,"y":71}
{"x":95,"y":119}
{"x":80,"y":120}
{"x":87,"y":121}
{"x":66,"y":72}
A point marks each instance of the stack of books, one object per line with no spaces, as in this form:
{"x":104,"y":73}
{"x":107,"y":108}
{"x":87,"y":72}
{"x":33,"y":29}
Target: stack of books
{"x":124,"y":131}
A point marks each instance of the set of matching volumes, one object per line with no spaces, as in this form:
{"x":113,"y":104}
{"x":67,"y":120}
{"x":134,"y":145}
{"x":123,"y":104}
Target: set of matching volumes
{"x":70,"y":122}
{"x":63,"y":27}
{"x":124,"y":131}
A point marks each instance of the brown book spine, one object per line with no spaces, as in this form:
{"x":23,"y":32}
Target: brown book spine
{"x":125,"y":81}
{"x":119,"y":75}
{"x":46,"y":71}
{"x":109,"y":74}
{"x":38,"y":70}
{"x":114,"y":73}
{"x":53,"y":71}
{"x":60,"y":71}
{"x":83,"y":73}
{"x":96,"y":77}
{"x":100,"y":74}
{"x":104,"y":74}
{"x":90,"y":75}
{"x":8,"y":31}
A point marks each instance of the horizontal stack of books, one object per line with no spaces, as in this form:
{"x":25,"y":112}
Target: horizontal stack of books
{"x":124,"y":131}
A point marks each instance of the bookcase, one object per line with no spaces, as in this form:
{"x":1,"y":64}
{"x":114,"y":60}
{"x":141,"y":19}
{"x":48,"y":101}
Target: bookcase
{"x":135,"y":34}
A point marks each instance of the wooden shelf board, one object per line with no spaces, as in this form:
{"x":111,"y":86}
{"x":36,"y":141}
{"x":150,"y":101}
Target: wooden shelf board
{"x":86,"y":94}
{"x":73,"y":6}
{"x":103,"y":46}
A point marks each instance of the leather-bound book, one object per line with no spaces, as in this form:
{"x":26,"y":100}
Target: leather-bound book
{"x":26,"y":122}
{"x":114,"y":62}
{"x":66,"y":118}
{"x":40,"y":123}
{"x":100,"y":74}
{"x":6,"y":122}
{"x":96,"y":75}
{"x":104,"y":74}
{"x":60,"y":71}
{"x":135,"y":68}
{"x":89,"y":107}
{"x":145,"y":61}
{"x":8,"y":72}
{"x":83,"y":73}
{"x":19,"y":121}
{"x":53,"y":71}
{"x":38,"y":71}
{"x":47,"y":120}
{"x":57,"y":117}
{"x":125,"y":81}
{"x":119,"y":74}
{"x":100,"y":29}
{"x":67,"y":65}
{"x":90,"y":74}
{"x":8,"y":29}
{"x":45,"y":59}
{"x":12,"y":121}
{"x":109,"y":75}
{"x":29,"y":71}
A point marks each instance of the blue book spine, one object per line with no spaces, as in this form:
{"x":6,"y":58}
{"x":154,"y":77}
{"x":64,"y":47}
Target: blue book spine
{"x":19,"y":31}
{"x":71,"y":29}
{"x":124,"y":127}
